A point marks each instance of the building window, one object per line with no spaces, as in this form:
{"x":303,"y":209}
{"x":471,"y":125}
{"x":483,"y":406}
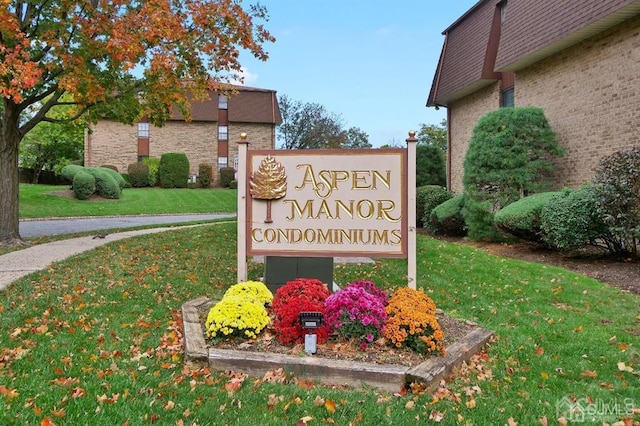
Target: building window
{"x":223,"y":133}
{"x":143,"y":130}
{"x":508,"y":97}
{"x":223,"y":102}
{"x":222,"y":162}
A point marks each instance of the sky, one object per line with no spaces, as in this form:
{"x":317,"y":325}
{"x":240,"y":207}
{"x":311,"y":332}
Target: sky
{"x":370,"y":61}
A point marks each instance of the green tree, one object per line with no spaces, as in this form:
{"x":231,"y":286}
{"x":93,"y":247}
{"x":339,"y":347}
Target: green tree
{"x":311,"y":126}
{"x":509,"y":156}
{"x":94,"y":52}
{"x":430,"y":168}
{"x":355,"y":138}
{"x":52,"y":145}
{"x":433,"y":135}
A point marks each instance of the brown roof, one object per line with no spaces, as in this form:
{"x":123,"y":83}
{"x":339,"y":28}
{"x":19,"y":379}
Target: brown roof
{"x":248,"y":105}
{"x":532,"y":30}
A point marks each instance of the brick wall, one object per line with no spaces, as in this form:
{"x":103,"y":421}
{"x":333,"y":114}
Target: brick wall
{"x":111,"y":143}
{"x":464,"y":115}
{"x":590,"y":93}
{"x":117,"y":144}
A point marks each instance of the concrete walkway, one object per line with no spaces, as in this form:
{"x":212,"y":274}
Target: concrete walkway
{"x":19,"y":263}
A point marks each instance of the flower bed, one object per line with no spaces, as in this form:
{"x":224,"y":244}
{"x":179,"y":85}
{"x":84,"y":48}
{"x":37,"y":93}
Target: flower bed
{"x":362,"y":323}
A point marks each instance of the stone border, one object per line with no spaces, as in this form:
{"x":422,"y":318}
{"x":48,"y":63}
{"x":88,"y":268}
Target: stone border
{"x":386,"y":377}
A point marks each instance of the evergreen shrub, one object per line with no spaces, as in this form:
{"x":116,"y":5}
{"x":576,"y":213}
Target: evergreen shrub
{"x":447,"y":219}
{"x":138,"y":175}
{"x":522,"y":218}
{"x":205,"y":173}
{"x":154,"y":164}
{"x":227,"y":174}
{"x":429,"y":197}
{"x":106,"y":185}
{"x":617,"y":188}
{"x":115,"y":175}
{"x":571,"y":221}
{"x":69,"y":171}
{"x":173,"y":171}
{"x":509,"y":156}
{"x":84,"y":184}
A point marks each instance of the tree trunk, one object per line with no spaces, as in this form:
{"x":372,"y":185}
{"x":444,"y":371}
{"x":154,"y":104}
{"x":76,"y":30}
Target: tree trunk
{"x":9,"y":179}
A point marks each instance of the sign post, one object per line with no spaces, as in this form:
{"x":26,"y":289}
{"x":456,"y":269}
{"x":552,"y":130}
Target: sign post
{"x":241,"y":177}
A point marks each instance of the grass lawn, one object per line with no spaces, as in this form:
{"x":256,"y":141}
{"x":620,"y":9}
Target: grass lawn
{"x":37,"y":201}
{"x":96,"y":340}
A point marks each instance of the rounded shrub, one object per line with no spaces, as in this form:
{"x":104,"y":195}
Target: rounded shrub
{"x":571,"y":221}
{"x":205,"y":173}
{"x":173,"y":171}
{"x":522,"y":218}
{"x":154,"y":164}
{"x":429,"y":197}
{"x":115,"y":175}
{"x":138,"y":175}
{"x":84,"y":184}
{"x":106,"y":185}
{"x":447,"y":219}
{"x":617,"y":187}
{"x":69,"y":171}
{"x":227,"y":175}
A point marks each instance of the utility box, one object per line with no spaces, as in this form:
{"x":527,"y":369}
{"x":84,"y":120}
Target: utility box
{"x":278,"y":270}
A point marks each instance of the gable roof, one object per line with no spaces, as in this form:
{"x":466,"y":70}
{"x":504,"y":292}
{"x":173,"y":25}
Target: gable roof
{"x":248,"y":105}
{"x":477,"y":45}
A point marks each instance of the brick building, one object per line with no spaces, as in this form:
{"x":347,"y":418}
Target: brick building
{"x":579,"y":60}
{"x":210,"y":137}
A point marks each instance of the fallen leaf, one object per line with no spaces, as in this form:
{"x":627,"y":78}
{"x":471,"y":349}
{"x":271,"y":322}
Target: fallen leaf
{"x":624,"y":367}
{"x":330,"y":406}
{"x":9,"y":393}
{"x":471,"y":403}
{"x":305,"y":383}
{"x":511,"y":422}
{"x":543,"y":421}
{"x":540,"y":351}
{"x":77,"y":392}
{"x":578,"y":329}
{"x":304,"y":420}
{"x":58,"y":413}
{"x":589,"y":374}
{"x":562,"y":421}
{"x":436,"y":416}
{"x":47,"y":422}
{"x":410,"y":405}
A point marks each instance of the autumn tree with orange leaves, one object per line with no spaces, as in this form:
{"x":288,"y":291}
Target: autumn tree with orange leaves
{"x":116,"y":58}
